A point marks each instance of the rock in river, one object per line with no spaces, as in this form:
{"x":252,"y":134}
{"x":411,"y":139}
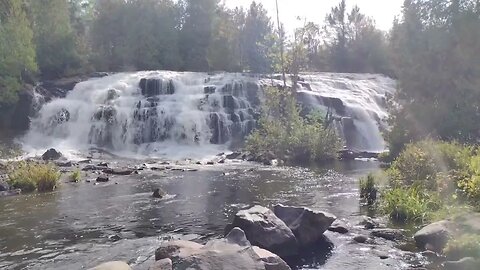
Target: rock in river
{"x":233,"y":252}
{"x":51,"y":154}
{"x":159,"y":193}
{"x":307,"y":225}
{"x":102,"y":178}
{"x":264,"y":229}
{"x":4,"y":186}
{"x":434,"y":236}
{"x":116,"y":265}
{"x":338,"y":227}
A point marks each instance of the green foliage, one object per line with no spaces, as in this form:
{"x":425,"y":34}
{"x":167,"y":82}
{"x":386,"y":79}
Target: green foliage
{"x":30,"y":177}
{"x":421,"y":164}
{"x":355,"y":45}
{"x":76,"y":176}
{"x":285,"y":134}
{"x":411,"y":204}
{"x":368,"y":189}
{"x":467,"y":245}
{"x":17,"y":51}
{"x":433,"y":48}
{"x":55,"y":41}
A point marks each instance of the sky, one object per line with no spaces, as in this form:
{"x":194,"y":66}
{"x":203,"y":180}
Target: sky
{"x":382,"y":11}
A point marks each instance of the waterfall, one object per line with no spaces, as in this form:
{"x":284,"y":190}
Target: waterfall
{"x":179,"y":115}
{"x":157,"y":113}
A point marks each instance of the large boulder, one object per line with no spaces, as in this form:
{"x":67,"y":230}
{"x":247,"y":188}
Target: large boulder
{"x":115,"y":265}
{"x":435,"y":236}
{"x":307,"y":225}
{"x":232,"y":253}
{"x":51,"y":154}
{"x":264,"y":229}
{"x":4,"y":186}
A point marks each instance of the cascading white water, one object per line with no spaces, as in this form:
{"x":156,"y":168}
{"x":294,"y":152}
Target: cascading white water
{"x":359,"y":102}
{"x":192,"y":115}
{"x":162,"y":114}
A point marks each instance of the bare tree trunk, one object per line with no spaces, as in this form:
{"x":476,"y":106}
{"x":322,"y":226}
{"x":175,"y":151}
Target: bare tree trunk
{"x":280,"y":35}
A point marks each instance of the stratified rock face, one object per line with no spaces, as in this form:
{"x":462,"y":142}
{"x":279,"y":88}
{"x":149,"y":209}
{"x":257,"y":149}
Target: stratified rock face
{"x":307,"y":225}
{"x":434,"y":236}
{"x":233,"y":252}
{"x":51,"y":154}
{"x":155,"y":87}
{"x":116,"y":265}
{"x":264,"y":229}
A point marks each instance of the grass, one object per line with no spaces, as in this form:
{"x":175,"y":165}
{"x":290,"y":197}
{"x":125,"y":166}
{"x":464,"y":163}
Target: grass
{"x":32,"y":176}
{"x":368,"y":189}
{"x":412,"y":204}
{"x":75,"y":176}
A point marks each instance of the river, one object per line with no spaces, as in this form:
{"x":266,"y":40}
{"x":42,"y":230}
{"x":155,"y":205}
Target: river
{"x":83,"y":224}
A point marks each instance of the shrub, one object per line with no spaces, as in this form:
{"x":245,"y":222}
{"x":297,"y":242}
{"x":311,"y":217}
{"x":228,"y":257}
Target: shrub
{"x":467,"y":245}
{"x":75,"y":176}
{"x":429,"y":162}
{"x":368,"y":189}
{"x":409,"y":204}
{"x":30,"y":177}
{"x":285,"y":134}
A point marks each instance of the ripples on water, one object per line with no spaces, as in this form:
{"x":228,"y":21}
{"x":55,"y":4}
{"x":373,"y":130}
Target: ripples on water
{"x":81,"y":225}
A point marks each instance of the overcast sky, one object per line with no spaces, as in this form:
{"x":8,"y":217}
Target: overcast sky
{"x":382,"y":11}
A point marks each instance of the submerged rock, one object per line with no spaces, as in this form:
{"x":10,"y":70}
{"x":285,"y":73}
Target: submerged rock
{"x":388,"y":234}
{"x":115,"y":265}
{"x":159,"y":193}
{"x":51,"y":154}
{"x":434,"y":236}
{"x":307,"y":225}
{"x":360,"y":239}
{"x":467,"y":263}
{"x":264,"y":229}
{"x":118,"y":171}
{"x":102,"y":178}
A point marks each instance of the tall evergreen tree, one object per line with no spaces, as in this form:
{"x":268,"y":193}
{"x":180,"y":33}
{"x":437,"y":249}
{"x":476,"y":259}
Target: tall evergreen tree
{"x":196,"y":33}
{"x":258,"y":39}
{"x":56,"y":44}
{"x":17,"y":51}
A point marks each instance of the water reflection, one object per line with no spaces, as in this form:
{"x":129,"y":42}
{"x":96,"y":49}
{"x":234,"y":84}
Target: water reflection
{"x":62,"y":229}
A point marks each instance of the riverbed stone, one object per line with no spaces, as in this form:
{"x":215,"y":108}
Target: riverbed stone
{"x":338,"y":226}
{"x":163,"y":264}
{"x":159,"y":193}
{"x":4,"y":186}
{"x":434,"y":236}
{"x":388,"y":234}
{"x":272,"y":261}
{"x":265,"y":230}
{"x":51,"y":154}
{"x":467,"y":263}
{"x":102,"y":178}
{"x":360,"y":239}
{"x":118,"y":171}
{"x":368,"y":223}
{"x":114,"y":265}
{"x":307,"y":225}
{"x":233,"y":252}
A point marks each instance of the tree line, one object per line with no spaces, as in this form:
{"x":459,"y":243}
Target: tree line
{"x":47,"y":39}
